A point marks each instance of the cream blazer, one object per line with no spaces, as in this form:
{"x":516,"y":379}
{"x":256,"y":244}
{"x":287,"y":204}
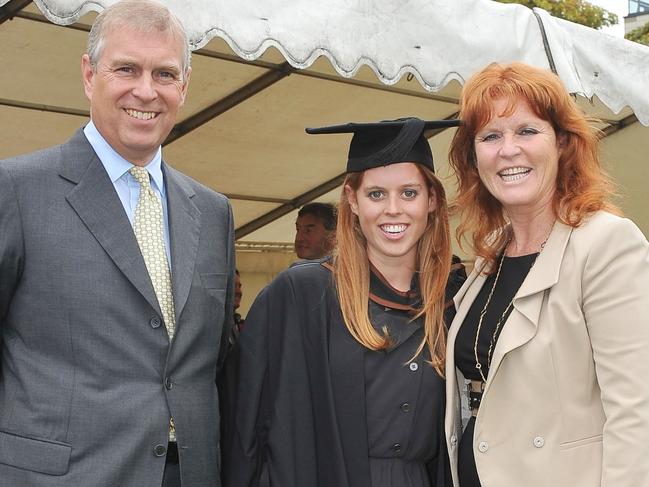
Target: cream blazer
{"x":566,"y":403}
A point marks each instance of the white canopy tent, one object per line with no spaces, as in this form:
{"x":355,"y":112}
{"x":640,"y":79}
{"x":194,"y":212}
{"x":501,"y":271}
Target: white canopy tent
{"x":264,"y":70}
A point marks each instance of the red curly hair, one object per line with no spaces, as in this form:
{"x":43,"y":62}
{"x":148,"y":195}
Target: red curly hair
{"x":582,"y":186}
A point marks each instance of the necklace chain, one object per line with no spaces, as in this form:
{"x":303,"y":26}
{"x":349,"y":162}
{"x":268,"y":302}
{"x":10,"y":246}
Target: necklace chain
{"x":500,"y":321}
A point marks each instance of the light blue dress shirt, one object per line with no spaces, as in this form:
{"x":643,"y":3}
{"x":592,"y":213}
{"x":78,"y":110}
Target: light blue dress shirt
{"x":127,"y":187}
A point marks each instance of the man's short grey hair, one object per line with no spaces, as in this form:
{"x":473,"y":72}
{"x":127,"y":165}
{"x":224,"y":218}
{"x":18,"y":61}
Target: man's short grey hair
{"x":142,"y":15}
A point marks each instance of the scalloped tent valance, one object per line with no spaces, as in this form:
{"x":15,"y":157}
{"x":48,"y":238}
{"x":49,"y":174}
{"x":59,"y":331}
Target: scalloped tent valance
{"x":435,"y":40}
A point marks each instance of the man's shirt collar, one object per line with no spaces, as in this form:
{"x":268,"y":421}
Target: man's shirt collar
{"x":115,"y":164}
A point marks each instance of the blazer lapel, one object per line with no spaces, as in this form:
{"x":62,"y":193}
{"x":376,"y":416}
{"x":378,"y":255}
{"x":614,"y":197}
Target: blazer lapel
{"x":96,"y":203}
{"x":184,"y":233}
{"x":463,"y":301}
{"x":528,"y":302}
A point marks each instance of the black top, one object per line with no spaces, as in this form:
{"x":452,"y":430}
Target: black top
{"x":513,"y":273}
{"x":404,"y":396}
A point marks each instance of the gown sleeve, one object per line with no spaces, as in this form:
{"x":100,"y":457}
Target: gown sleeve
{"x":248,"y":404}
{"x":439,"y":467}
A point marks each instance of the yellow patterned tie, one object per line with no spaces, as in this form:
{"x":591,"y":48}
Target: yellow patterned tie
{"x":149,"y":232}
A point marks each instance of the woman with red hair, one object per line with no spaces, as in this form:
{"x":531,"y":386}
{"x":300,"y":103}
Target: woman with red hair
{"x":551,"y":338}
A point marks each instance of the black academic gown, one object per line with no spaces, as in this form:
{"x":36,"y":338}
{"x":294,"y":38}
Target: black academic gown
{"x":297,"y":390}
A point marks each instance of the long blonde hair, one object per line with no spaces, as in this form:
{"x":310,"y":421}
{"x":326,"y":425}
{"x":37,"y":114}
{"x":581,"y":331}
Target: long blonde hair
{"x":352,"y":273}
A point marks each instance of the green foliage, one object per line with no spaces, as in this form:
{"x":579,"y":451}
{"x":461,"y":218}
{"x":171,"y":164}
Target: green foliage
{"x":578,"y":11}
{"x":641,"y":35}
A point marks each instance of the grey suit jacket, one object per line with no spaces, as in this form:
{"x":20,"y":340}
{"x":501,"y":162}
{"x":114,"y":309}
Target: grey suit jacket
{"x":88,"y":378}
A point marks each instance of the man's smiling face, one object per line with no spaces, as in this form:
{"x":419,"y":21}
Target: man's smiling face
{"x":136,"y":90}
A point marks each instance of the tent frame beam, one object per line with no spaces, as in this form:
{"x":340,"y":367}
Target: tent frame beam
{"x":230,"y":101}
{"x":10,"y":10}
{"x":289,"y":206}
{"x":44,"y":108}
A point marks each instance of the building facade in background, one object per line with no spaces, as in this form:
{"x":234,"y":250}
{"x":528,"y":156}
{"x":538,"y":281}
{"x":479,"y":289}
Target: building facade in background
{"x":638,"y":15}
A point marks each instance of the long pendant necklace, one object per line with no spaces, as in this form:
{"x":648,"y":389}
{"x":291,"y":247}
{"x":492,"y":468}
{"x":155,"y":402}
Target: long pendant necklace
{"x":500,"y":321}
{"x":478,"y":365}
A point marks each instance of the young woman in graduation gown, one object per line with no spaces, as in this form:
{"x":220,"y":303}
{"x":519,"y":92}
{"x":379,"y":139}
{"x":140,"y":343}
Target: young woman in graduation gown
{"x":339,"y":370}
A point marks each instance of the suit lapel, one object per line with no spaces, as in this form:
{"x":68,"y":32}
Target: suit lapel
{"x":184,"y":233}
{"x":96,"y":203}
{"x":523,"y":322}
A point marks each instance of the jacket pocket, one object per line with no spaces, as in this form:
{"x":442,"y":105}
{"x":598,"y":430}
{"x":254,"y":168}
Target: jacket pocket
{"x":568,"y":445}
{"x":216,"y":281}
{"x":36,"y":455}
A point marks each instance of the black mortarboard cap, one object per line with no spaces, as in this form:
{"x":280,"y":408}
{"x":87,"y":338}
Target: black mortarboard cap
{"x":388,"y":142}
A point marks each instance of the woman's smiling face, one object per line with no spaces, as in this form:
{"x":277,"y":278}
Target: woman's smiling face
{"x":517,"y":157}
{"x":392,"y":204}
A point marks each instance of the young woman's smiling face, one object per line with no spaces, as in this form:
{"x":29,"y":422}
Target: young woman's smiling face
{"x":392,"y":204}
{"x":517,"y":156}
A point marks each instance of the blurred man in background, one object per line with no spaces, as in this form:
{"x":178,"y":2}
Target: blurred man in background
{"x":315,"y":231}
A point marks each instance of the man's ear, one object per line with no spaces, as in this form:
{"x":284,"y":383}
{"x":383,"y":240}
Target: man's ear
{"x":87,"y":75}
{"x":351,"y":198}
{"x":185,"y":85}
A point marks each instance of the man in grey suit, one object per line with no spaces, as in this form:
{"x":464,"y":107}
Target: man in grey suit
{"x":116,"y":279}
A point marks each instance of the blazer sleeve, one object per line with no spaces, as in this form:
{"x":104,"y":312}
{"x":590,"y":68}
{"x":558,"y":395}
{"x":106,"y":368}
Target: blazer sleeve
{"x":615,"y":303}
{"x":229,"y":296}
{"x":11,"y":244}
